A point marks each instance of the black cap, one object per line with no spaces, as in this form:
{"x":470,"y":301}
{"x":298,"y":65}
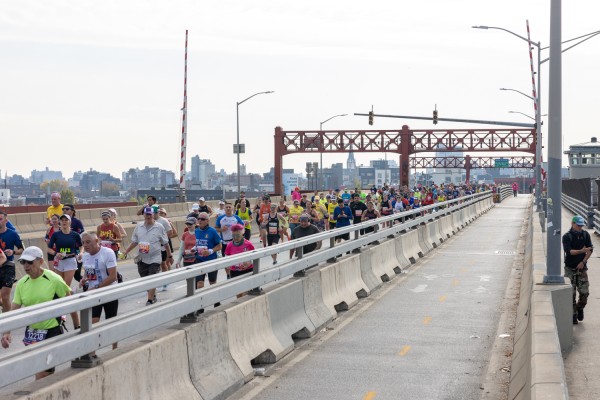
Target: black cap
{"x":69,"y":205}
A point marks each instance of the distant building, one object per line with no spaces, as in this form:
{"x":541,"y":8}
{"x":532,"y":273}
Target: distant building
{"x":46,"y":175}
{"x":136,"y":178}
{"x":584,"y":159}
{"x":93,"y":180}
{"x":202,"y":171}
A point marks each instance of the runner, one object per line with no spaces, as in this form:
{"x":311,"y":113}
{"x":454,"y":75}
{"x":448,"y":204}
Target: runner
{"x":295,"y":212}
{"x":237,"y":246}
{"x":263,"y":213}
{"x":162,"y":212}
{"x":150,"y":236}
{"x":246,"y":216}
{"x":194,"y":213}
{"x":241,"y":199}
{"x":169,"y":231}
{"x":369,"y":214}
{"x":10,"y":244}
{"x":224,"y":223}
{"x":342,"y":215}
{"x":331,"y":205}
{"x":358,"y":208}
{"x":203,"y":207}
{"x":272,"y":225}
{"x":108,"y":233}
{"x":65,"y":245}
{"x":310,"y":211}
{"x":187,"y":248}
{"x":305,"y":229}
{"x":284,"y":211}
{"x":100,"y":270}
{"x":113,"y":219}
{"x":150,"y":201}
{"x":54,"y":227}
{"x":221,"y":210}
{"x":55,"y":207}
{"x":322,"y":214}
{"x":208,"y":245}
{"x":39,"y":286}
{"x":76,"y":225}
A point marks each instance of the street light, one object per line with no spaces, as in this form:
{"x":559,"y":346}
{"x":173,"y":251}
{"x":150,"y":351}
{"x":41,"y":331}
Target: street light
{"x":237,"y":149}
{"x":322,"y":145}
{"x":528,"y":116}
{"x":554,"y":146}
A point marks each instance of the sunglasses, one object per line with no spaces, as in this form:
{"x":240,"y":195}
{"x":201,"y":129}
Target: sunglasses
{"x":66,"y":209}
{"x":202,"y":219}
{"x":23,"y":262}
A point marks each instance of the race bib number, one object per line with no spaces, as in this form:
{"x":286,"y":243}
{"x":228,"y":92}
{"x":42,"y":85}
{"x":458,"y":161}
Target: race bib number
{"x":272,"y":230}
{"x":295,"y":217}
{"x":91,"y":274}
{"x":34,"y":335}
{"x":385,"y":210}
{"x":144,"y":248}
{"x":106,"y":243}
{"x":358,"y":213}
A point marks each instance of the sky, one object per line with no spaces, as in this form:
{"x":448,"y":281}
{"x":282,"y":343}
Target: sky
{"x":99,"y":85}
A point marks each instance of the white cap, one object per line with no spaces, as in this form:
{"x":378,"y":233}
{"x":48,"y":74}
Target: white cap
{"x":112,"y":210}
{"x":201,"y":199}
{"x":221,"y":202}
{"x":195,"y":207}
{"x":65,"y":216}
{"x":31,"y":253}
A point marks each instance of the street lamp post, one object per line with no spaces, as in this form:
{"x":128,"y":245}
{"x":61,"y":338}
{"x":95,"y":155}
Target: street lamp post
{"x":322,"y":145}
{"x":237,"y":149}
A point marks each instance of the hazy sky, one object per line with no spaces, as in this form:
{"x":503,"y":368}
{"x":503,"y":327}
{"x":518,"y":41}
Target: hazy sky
{"x":100,"y":84}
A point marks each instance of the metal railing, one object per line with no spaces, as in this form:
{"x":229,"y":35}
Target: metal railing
{"x":68,"y":346}
{"x":589,"y":213}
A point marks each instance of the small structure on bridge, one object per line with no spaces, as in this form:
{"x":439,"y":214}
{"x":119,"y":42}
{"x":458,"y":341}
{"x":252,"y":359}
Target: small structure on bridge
{"x":584,"y":159}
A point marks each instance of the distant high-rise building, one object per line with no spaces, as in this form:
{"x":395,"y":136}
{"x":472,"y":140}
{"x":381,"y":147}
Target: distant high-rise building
{"x":136,"y":178}
{"x":351,"y":163}
{"x":45,"y":175}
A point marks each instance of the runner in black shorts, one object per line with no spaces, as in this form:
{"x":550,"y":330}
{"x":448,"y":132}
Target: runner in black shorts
{"x":273,"y":227}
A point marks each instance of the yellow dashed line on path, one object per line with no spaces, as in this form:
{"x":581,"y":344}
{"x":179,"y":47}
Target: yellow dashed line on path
{"x":404,"y":351}
{"x":369,"y":396}
{"x":426,"y":320}
{"x":442,"y":299}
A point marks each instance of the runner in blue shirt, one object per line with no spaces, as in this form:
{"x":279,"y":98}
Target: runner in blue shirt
{"x":342,"y":215}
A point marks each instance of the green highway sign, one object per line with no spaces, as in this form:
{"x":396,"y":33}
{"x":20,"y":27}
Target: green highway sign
{"x":501,"y":163}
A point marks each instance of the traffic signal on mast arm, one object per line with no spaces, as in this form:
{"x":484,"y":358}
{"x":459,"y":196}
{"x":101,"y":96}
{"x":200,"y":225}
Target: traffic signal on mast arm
{"x":435,"y":117}
{"x":370,"y":117}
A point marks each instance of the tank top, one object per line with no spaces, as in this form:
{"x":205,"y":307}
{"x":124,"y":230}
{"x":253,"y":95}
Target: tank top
{"x":245,"y":216}
{"x":273,"y":225}
{"x":203,"y":209}
{"x":370,"y":214}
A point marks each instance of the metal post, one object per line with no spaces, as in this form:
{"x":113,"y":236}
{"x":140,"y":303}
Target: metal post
{"x":538,"y":135}
{"x":553,"y":235}
{"x":237,"y":114}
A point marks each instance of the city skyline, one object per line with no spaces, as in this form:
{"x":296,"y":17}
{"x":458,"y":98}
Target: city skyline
{"x":106,"y":79}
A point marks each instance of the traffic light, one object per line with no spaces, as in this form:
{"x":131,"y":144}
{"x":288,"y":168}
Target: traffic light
{"x":370,"y":117}
{"x":435,"y":117}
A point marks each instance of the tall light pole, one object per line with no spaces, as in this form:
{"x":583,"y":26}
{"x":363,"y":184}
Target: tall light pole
{"x":237,"y":149}
{"x":322,"y":145}
{"x":537,"y":100}
{"x":528,"y":116}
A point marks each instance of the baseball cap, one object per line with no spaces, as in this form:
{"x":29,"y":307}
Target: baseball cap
{"x":221,"y":202}
{"x":201,"y":199}
{"x":191,"y":221}
{"x":328,"y":196}
{"x":155,"y":208}
{"x":31,"y":253}
{"x":71,"y":206}
{"x":65,"y":216}
{"x":578,"y":219}
{"x":317,"y":198}
{"x":162,"y":210}
{"x":148,"y":210}
{"x":195,"y":207}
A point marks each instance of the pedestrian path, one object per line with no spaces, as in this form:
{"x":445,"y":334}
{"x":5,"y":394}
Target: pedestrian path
{"x":427,"y":335}
{"x":581,"y":363}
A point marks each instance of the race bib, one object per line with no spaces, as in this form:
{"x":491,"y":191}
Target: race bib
{"x":272,"y":230}
{"x":358,"y":213}
{"x":34,"y":335}
{"x":106,"y":243}
{"x":385,"y":210}
{"x":295,"y":217}
{"x":91,"y":274}
{"x":144,"y":247}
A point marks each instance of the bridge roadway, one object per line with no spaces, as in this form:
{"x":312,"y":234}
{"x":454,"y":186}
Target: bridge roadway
{"x":429,"y":335}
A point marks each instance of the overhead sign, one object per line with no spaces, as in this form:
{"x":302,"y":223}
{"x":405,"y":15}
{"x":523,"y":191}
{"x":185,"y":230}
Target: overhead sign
{"x":501,"y":163}
{"x":242,"y":148}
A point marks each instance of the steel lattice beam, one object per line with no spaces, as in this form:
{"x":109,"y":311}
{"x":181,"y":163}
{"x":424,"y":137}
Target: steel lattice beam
{"x":475,"y":162}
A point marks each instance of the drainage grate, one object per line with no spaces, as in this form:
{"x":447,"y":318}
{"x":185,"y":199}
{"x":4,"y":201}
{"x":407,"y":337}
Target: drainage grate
{"x":505,"y":252}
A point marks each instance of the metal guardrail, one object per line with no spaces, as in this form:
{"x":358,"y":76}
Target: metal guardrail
{"x":66,"y":347}
{"x":589,"y":213}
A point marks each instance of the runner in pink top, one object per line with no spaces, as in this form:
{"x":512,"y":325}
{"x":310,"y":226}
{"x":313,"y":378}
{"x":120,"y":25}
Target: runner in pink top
{"x":239,"y":245}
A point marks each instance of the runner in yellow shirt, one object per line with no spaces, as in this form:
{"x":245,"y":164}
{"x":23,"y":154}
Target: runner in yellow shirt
{"x":295,"y":211}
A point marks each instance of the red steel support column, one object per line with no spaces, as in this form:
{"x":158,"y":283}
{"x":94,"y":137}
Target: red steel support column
{"x":278,"y":166}
{"x":405,"y":136}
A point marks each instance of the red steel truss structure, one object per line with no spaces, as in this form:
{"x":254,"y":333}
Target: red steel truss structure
{"x":408,"y":142}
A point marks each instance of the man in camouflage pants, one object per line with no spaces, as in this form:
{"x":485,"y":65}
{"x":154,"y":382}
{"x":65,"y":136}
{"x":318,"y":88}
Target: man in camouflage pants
{"x":577,"y":245}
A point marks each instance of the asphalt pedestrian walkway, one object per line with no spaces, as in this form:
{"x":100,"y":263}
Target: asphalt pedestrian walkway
{"x":428,"y":334}
{"x":581,"y":362}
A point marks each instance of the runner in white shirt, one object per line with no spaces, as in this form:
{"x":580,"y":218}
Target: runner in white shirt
{"x":224,"y":223}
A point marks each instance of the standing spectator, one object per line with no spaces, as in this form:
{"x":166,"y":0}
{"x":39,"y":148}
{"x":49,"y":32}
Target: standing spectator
{"x":66,"y":245}
{"x":149,"y":236}
{"x":55,"y":207}
{"x":578,"y":248}
{"x":76,"y":225}
{"x":39,"y":286}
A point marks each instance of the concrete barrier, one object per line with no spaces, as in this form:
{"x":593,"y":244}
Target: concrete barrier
{"x":446,"y":226}
{"x":314,"y":306}
{"x":456,"y":225}
{"x":410,"y":246}
{"x":342,"y":284}
{"x":382,"y":262}
{"x":38,"y":221}
{"x":434,"y":233}
{"x":369,"y":276}
{"x":154,"y":369}
{"x":213,"y":372}
{"x":424,"y":240}
{"x":22,"y":221}
{"x":287,"y":313}
{"x":400,"y":254}
{"x":255,"y":341}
